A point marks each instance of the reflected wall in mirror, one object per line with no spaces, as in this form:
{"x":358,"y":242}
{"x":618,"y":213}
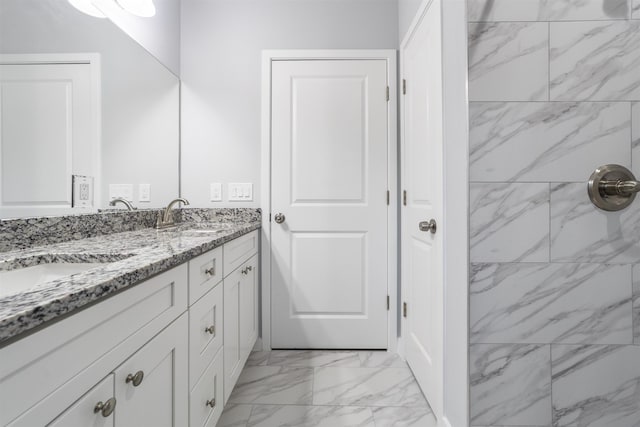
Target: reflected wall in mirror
{"x":79,"y":97}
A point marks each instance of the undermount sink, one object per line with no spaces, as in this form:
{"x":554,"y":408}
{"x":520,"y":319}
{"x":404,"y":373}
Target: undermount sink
{"x":20,"y":280}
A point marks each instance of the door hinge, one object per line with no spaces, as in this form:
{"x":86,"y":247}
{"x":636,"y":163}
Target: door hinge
{"x":404,"y":197}
{"x":269,"y":217}
{"x":404,"y":309}
{"x":387,"y":93}
{"x":404,"y":87}
{"x":388,"y":197}
{"x":388,"y":302}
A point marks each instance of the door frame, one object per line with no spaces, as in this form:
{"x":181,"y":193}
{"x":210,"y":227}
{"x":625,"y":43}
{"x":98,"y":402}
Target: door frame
{"x":388,"y":55}
{"x":455,"y":224}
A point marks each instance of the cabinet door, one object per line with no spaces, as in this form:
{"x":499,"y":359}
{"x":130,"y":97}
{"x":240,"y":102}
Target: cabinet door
{"x":206,"y":401}
{"x":248,"y":307}
{"x":231,"y":347}
{"x":151,"y":386}
{"x":86,"y":412}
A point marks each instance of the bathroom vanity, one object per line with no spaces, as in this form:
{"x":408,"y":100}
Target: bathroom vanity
{"x":154,"y":333}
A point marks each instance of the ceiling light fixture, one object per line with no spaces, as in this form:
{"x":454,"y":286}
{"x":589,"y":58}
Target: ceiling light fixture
{"x":85,"y":6}
{"x":142,"y":8}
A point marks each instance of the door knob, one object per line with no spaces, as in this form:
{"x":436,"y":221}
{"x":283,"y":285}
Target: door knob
{"x":428,"y":226}
{"x":279,"y":218}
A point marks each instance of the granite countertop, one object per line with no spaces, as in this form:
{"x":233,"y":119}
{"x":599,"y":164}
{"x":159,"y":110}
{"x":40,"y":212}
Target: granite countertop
{"x":126,"y":259}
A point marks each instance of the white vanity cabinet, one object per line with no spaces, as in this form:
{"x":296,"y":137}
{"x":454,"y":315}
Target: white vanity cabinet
{"x":223,"y":326}
{"x":166,"y":352}
{"x":54,"y":374}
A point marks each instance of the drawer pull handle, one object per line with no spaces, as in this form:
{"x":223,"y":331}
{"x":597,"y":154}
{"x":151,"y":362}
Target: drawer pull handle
{"x":211,"y":403}
{"x":211,"y":329}
{"x":105,"y":408}
{"x":210,"y":271}
{"x":135,"y":379}
{"x":246,"y":270}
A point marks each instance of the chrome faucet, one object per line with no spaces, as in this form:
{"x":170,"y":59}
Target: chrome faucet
{"x":165,"y":218}
{"x":124,"y":202}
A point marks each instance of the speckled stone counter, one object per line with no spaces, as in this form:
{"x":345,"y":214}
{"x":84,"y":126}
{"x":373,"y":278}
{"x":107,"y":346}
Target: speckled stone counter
{"x":126,"y":258}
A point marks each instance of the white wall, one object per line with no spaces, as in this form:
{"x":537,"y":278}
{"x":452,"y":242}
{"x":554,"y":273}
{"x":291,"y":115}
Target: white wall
{"x":221,"y":71}
{"x":160,"y":35}
{"x":406,"y":12}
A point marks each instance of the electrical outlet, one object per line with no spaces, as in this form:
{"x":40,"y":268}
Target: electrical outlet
{"x":240,"y":192}
{"x":215,"y":192}
{"x":144,"y":192}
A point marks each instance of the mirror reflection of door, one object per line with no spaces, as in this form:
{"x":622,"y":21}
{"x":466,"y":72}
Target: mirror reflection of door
{"x":49,"y":130}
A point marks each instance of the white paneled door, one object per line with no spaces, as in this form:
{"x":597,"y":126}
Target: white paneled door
{"x":329,"y":130}
{"x":422,"y":181}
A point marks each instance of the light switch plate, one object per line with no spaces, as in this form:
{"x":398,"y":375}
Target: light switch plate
{"x":240,"y":192}
{"x":144,"y":192}
{"x":215,"y":192}
{"x":121,"y":190}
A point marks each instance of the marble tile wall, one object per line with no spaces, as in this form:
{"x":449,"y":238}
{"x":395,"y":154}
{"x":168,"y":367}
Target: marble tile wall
{"x":554,"y":90}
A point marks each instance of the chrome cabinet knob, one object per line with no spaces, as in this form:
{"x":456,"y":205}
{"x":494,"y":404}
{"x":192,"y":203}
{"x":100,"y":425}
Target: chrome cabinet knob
{"x":279,"y":218}
{"x":135,"y":379}
{"x":211,"y":329}
{"x":210,"y":271}
{"x":105,"y":408}
{"x":211,"y":403}
{"x":246,"y":270}
{"x":428,"y":226}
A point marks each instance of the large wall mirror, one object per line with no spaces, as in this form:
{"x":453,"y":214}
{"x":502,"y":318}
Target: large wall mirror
{"x":86,"y":114}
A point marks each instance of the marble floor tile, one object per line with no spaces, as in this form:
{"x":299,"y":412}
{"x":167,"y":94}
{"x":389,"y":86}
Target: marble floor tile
{"x":258,"y":358}
{"x":235,"y":416}
{"x":596,"y":386}
{"x":547,"y":10}
{"x":273,"y":385}
{"x":501,"y":211}
{"x":544,"y":303}
{"x":595,"y":61}
{"x":546,"y":142}
{"x":510,"y":385}
{"x":636,"y":304}
{"x":404,"y":417}
{"x":314,"y":358}
{"x":310,"y":416}
{"x":509,"y":61}
{"x":366,"y":387}
{"x":612,"y":237}
{"x":380,"y":359}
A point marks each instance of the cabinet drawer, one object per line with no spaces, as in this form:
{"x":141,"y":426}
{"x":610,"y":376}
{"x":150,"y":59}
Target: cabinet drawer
{"x":205,"y":332}
{"x":239,"y":250}
{"x":205,"y":272}
{"x":206,"y":401}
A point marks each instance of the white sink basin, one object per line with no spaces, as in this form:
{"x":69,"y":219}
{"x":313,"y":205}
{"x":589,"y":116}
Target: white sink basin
{"x":20,"y":280}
